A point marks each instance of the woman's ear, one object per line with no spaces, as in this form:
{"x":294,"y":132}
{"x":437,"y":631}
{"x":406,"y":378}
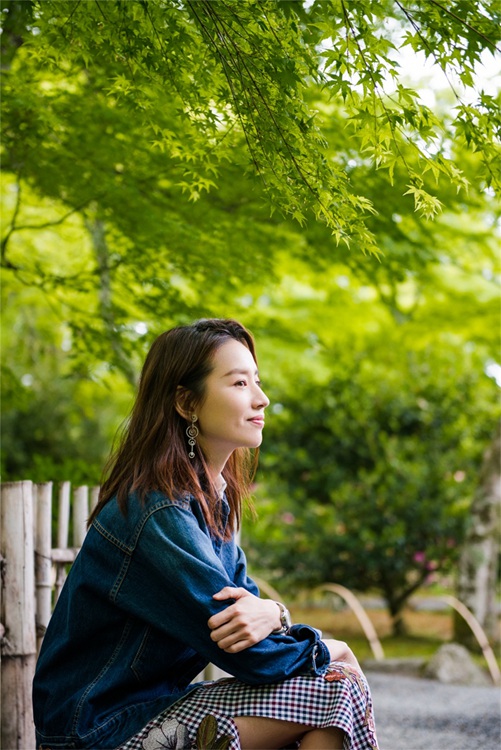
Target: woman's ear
{"x":183,"y":403}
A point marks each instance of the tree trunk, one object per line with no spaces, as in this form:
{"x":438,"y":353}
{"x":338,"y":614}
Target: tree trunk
{"x":97,"y":232}
{"x":478,"y":566}
{"x":396,"y":609}
{"x":398,"y":625}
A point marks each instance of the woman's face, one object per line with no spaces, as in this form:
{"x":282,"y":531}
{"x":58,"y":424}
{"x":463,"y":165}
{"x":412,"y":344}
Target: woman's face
{"x":232,"y":412}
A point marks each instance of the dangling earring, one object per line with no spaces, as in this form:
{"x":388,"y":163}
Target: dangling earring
{"x":192,"y":432}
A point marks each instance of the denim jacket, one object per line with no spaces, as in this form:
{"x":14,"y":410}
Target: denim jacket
{"x":129,"y":632}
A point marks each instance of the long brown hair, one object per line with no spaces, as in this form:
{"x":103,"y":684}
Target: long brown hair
{"x":153,"y":453}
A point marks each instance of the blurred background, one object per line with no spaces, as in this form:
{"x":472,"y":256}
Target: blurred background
{"x":326,"y":177}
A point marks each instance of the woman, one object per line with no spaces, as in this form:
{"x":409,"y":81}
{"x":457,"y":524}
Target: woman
{"x":160,"y":588}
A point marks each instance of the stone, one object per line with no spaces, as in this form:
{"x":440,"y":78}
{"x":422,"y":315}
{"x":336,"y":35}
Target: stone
{"x":452,"y":664}
{"x":410,"y":666}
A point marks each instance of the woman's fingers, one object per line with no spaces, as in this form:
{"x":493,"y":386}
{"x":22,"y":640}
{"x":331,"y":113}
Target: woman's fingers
{"x":248,"y":620}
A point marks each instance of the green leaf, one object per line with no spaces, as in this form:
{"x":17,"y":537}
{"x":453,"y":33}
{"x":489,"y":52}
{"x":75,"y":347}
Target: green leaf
{"x":207,"y":733}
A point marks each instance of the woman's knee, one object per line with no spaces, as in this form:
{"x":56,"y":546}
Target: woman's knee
{"x":261,"y":733}
{"x":329,"y":738}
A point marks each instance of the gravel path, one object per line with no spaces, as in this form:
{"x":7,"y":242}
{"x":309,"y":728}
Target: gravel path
{"x":418,"y":714}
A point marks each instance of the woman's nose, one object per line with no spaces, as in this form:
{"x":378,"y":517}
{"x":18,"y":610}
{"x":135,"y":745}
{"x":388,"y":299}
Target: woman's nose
{"x":261,"y":399}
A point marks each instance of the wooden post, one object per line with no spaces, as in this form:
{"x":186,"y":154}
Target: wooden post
{"x":80,"y":514}
{"x":43,"y":562}
{"x":63,"y":516}
{"x":63,"y":526}
{"x":17,"y":616}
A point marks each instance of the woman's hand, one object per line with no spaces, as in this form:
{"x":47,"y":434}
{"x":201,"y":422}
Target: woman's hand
{"x":340,"y":651}
{"x":247,"y":621}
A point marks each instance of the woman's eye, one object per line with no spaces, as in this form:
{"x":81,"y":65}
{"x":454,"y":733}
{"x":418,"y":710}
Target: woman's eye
{"x":241,"y":382}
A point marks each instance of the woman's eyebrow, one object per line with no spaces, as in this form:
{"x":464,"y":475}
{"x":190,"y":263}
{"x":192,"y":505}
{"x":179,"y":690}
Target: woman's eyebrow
{"x":238,"y":371}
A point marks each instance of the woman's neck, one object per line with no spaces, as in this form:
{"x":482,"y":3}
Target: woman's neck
{"x":219,"y":483}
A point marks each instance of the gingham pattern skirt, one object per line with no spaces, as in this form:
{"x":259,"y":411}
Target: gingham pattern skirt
{"x":340,"y":698}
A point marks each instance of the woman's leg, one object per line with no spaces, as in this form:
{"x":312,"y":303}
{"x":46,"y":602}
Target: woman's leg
{"x":329,"y":738}
{"x":257,"y":733}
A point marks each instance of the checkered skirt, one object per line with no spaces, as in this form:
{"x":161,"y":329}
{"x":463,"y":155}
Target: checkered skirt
{"x":340,"y":698}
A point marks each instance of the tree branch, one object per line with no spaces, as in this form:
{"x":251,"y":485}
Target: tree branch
{"x":431,"y":51}
{"x":369,"y":70}
{"x":5,"y":240}
{"x":271,"y":114}
{"x":20,"y":227}
{"x":465,"y":23}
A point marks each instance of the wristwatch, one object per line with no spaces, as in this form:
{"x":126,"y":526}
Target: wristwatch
{"x":285,"y":619}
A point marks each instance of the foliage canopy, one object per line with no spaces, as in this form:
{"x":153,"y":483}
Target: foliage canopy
{"x":197,"y":76}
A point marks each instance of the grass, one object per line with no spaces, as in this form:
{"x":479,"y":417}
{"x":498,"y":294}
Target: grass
{"x":426,"y":631}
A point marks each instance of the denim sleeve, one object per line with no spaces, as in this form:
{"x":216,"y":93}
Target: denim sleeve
{"x":169,"y":582}
{"x":240,"y":577}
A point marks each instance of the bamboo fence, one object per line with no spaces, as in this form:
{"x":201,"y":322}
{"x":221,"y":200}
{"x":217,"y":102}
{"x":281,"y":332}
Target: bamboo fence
{"x":33,"y":568}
